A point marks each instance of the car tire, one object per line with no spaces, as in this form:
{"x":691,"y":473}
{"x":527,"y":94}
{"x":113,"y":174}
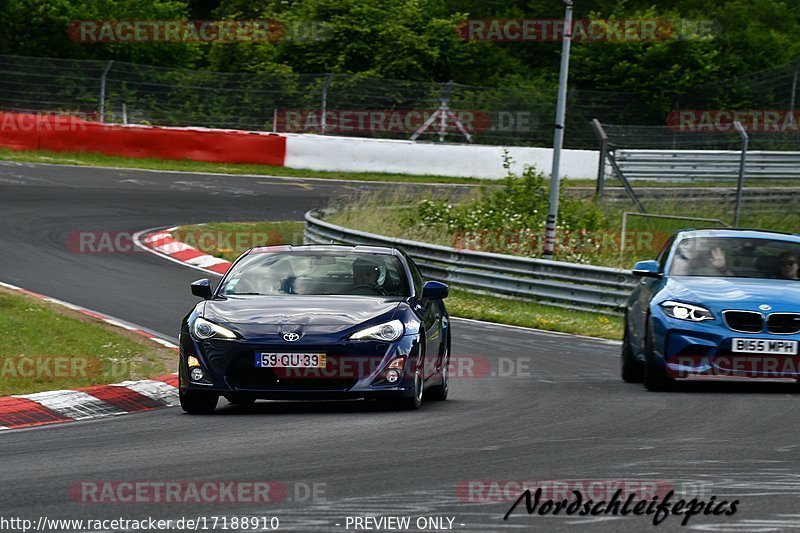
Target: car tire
{"x":632,"y":370}
{"x":655,"y":375}
{"x":198,"y":402}
{"x":439,"y":392}
{"x":240,"y":400}
{"x":415,"y":401}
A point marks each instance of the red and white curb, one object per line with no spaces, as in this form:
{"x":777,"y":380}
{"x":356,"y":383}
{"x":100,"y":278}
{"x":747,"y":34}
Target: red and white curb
{"x":51,"y":407}
{"x":161,"y":242}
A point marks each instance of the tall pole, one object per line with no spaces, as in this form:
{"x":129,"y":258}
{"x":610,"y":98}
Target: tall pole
{"x":323,"y":120}
{"x":558,"y":136}
{"x":103,"y":91}
{"x":742,"y":162}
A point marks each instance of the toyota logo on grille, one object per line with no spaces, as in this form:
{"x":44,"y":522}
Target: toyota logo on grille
{"x":290,"y":337}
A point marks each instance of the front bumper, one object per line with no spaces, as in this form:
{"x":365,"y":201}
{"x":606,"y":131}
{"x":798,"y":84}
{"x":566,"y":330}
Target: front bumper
{"x":705,"y":349}
{"x":355,"y":369}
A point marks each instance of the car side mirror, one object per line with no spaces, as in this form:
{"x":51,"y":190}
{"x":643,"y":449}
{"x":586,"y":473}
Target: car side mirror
{"x":434,"y":290}
{"x":202,"y":288}
{"x":647,"y":269}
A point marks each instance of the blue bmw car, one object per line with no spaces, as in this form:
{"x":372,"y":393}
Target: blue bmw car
{"x":316,"y":322}
{"x":715,"y":303}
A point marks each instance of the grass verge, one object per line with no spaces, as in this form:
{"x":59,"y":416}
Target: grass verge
{"x":49,"y":347}
{"x":101,"y":160}
{"x":460,"y":303}
{"x":91,"y":159}
{"x":532,"y":315}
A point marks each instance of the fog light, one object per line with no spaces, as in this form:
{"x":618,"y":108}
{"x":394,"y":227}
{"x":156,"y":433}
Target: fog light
{"x":193,"y":361}
{"x":392,"y":376}
{"x":196,"y":374}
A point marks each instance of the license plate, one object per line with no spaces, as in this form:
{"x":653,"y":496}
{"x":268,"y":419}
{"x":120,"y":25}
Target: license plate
{"x":766,"y":346}
{"x":290,"y":360}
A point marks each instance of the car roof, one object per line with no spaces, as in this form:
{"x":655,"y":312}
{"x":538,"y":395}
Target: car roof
{"x":326,"y":248}
{"x":740,"y":233}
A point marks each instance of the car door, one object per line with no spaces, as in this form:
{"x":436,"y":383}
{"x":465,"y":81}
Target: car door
{"x":430,"y":315}
{"x":638,"y":314}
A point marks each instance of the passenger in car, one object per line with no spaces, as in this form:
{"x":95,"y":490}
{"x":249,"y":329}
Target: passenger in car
{"x":788,"y":266}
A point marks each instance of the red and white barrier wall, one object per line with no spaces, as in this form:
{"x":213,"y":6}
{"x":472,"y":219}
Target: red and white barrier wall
{"x":62,"y":133}
{"x":22,"y":131}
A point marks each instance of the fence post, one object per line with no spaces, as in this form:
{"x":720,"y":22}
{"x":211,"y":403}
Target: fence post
{"x":323,"y":122}
{"x":103,"y":91}
{"x":601,"y":168}
{"x":742,"y":163}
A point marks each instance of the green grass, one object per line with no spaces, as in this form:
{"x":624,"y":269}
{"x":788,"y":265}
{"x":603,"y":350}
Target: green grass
{"x":523,"y":313}
{"x":46,"y":347}
{"x":92,"y":159}
{"x":729,"y":183}
{"x":100,"y":160}
{"x":229,"y":239}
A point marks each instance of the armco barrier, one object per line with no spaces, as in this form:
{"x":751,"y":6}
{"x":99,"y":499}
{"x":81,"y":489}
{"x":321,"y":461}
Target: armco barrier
{"x":22,"y":131}
{"x":584,"y":287}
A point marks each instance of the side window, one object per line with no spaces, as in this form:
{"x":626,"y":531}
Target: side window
{"x":664,"y":254}
{"x":415,"y":276}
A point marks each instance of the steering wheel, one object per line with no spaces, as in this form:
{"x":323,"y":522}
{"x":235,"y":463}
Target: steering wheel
{"x":373,"y":288}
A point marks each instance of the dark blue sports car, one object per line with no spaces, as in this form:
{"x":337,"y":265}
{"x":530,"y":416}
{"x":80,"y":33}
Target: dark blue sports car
{"x":316,"y":322}
{"x":716,"y":303}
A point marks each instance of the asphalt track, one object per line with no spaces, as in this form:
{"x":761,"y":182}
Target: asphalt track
{"x":552,"y":409}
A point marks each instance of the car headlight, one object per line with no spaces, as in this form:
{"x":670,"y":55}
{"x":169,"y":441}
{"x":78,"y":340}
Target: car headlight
{"x":390,"y":331}
{"x":682,"y":311}
{"x":204,"y":329}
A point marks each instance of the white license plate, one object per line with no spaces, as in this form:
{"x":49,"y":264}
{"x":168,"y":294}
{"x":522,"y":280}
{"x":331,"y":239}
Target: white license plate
{"x":290,"y":360}
{"x":766,"y":346}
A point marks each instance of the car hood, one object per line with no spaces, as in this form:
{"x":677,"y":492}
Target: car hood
{"x":336,"y":311}
{"x":734,"y":293}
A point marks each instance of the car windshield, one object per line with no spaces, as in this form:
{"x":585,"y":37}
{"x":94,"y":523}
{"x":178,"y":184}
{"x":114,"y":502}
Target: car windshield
{"x":736,"y":257}
{"x":317,"y":273}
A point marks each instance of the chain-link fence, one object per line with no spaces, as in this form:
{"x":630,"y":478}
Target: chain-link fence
{"x":333,"y":104}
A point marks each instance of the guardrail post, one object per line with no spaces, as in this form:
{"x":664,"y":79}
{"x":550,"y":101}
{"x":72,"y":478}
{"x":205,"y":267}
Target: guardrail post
{"x":601,"y":167}
{"x":742,"y":163}
{"x":103,"y":91}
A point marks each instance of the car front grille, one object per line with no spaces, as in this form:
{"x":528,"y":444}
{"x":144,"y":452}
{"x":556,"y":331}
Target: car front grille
{"x":783,"y":323}
{"x":744,"y":321}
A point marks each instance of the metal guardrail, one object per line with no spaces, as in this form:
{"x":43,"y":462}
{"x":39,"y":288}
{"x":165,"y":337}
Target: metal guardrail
{"x":570,"y":285}
{"x":706,"y":164}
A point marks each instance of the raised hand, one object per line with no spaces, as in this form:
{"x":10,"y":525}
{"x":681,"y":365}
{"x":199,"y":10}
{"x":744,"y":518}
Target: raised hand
{"x":718,"y":258}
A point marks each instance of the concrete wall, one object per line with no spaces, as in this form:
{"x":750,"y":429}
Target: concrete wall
{"x":347,"y":154}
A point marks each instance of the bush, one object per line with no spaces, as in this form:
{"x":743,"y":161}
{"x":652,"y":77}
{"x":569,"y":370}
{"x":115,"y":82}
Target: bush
{"x":509,"y":219}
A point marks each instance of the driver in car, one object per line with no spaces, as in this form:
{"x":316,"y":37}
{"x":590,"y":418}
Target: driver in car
{"x":788,"y":265}
{"x":365,"y":276}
